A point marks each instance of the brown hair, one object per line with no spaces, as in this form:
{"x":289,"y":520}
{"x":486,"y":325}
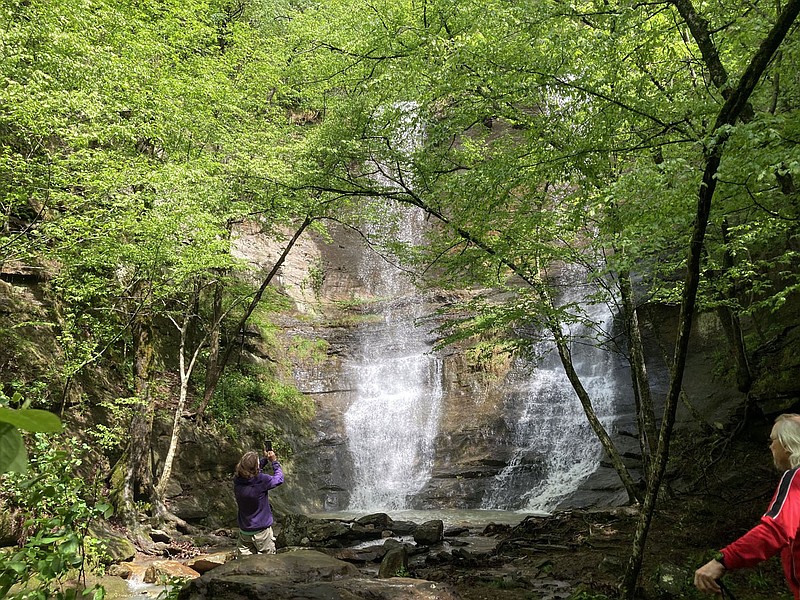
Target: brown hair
{"x":248,"y":466}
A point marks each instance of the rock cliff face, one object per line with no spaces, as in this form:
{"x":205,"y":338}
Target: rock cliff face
{"x":335,"y":311}
{"x":474,"y":441}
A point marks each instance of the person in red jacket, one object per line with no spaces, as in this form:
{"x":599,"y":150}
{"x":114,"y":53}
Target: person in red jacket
{"x":779,"y":528}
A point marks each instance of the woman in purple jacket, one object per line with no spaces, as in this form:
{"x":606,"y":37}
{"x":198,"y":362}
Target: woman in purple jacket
{"x":250,"y":486}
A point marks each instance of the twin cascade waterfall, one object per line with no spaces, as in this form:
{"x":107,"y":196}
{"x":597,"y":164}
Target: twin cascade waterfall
{"x":393,"y":421}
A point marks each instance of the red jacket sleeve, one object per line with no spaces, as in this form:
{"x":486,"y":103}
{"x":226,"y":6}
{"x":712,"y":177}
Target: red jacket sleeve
{"x":776,"y":530}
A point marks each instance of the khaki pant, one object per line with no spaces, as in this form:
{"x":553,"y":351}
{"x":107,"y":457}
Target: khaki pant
{"x":257,"y":542}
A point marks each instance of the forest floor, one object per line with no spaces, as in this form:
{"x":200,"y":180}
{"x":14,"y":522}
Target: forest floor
{"x":583,"y":553}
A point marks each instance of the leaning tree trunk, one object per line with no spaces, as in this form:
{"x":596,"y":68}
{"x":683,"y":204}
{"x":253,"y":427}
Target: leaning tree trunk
{"x":213,"y":376}
{"x":728,"y":115}
{"x":561,"y":345}
{"x":586,"y":402}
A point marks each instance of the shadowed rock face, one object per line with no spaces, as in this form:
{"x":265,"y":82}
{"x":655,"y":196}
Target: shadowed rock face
{"x":304,"y":574}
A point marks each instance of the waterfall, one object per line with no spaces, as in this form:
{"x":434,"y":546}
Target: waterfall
{"x":393,"y":420}
{"x":392,"y":423}
{"x":556,"y":447}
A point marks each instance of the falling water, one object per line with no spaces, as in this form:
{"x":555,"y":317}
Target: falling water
{"x":392,"y":423}
{"x":556,"y":448}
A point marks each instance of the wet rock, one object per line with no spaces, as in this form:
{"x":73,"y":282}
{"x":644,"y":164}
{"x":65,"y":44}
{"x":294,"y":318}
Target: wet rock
{"x":206,"y":562}
{"x":429,"y":533}
{"x":379,"y":520}
{"x":305,"y":574}
{"x":404,"y":527}
{"x":128,"y":570}
{"x":463,"y":555}
{"x":353,"y":555}
{"x":438,"y":557}
{"x":496,"y":529}
{"x":299,"y":530}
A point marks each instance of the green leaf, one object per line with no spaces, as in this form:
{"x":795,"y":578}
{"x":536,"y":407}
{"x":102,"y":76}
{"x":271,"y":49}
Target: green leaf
{"x":106,"y":509}
{"x":13,"y":456}
{"x":97,"y":592}
{"x":17,"y":567}
{"x":31,"y":419}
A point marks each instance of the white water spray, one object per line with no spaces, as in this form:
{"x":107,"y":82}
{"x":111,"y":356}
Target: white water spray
{"x":556,"y":447}
{"x":392,"y":423}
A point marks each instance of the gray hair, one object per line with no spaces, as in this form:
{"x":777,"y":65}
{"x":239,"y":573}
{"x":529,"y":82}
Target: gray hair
{"x":787,"y":430}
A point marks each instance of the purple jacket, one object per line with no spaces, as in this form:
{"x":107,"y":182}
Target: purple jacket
{"x":255,"y":513}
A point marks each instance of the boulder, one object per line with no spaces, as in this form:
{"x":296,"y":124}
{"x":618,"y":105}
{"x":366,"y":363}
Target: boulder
{"x":206,"y":562}
{"x":404,"y":527}
{"x":299,"y":530}
{"x":306,"y":574}
{"x":158,"y":535}
{"x":455,"y":531}
{"x":357,"y":555}
{"x":303,"y":531}
{"x":378,"y":520}
{"x":117,"y":548}
{"x":394,"y":564}
{"x":429,"y":533}
{"x":168,"y":569}
{"x":128,"y":570}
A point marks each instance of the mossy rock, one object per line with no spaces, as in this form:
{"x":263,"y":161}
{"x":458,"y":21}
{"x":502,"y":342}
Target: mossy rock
{"x":118,"y":548}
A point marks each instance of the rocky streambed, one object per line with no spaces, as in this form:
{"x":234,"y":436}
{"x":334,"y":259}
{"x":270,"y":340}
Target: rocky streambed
{"x":565,"y":556}
{"x":372,"y":557}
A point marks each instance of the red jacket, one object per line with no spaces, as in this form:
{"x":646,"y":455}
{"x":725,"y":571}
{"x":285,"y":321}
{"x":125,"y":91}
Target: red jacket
{"x":778,"y":530}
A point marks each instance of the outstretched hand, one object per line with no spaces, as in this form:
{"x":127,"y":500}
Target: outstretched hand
{"x":271,"y":456}
{"x":705,"y":578}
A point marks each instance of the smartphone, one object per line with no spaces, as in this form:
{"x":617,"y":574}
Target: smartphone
{"x":268,"y":445}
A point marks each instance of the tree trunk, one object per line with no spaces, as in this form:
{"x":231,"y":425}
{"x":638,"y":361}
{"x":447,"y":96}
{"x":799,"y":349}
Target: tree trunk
{"x":137,"y":481}
{"x":185,"y":375}
{"x":605,"y":440}
{"x":645,"y":413}
{"x":212,"y":378}
{"x":561,"y":345}
{"x":730,"y":111}
{"x":213,"y":371}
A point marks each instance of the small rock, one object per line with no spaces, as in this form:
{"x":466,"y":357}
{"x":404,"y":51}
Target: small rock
{"x":394,"y":564}
{"x":168,"y":569}
{"x":429,"y":533}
